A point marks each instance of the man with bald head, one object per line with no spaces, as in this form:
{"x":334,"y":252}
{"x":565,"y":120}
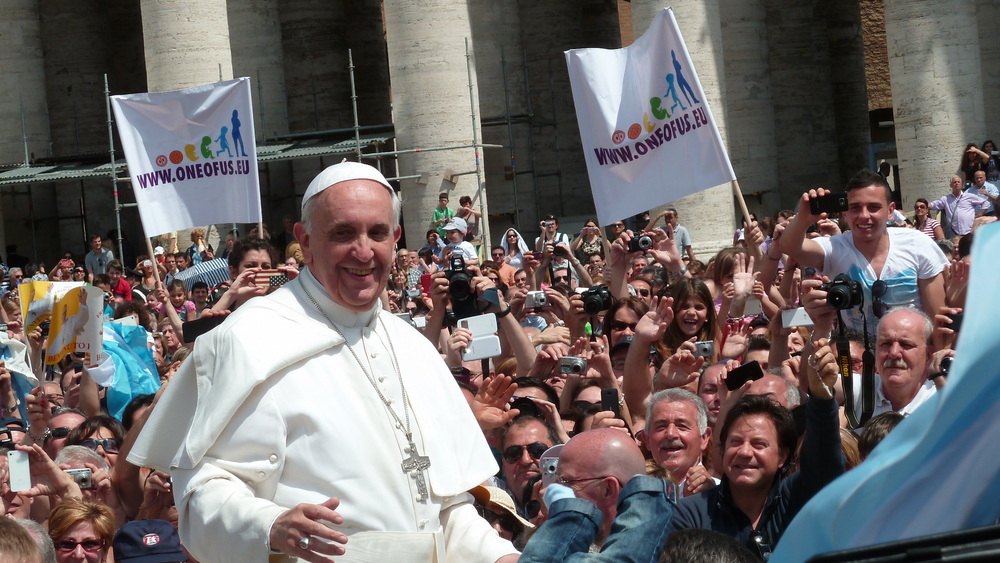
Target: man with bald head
{"x":776,"y":388}
{"x":338,"y":432}
{"x":602,"y":496}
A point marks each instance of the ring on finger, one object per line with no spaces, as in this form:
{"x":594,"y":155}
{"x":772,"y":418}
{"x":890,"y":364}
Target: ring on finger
{"x":304,"y":543}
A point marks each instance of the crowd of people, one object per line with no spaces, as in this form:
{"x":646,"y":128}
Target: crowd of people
{"x":695,"y":415}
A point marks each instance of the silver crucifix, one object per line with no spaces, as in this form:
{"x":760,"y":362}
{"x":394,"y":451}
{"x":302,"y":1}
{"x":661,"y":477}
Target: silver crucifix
{"x":415,"y":465}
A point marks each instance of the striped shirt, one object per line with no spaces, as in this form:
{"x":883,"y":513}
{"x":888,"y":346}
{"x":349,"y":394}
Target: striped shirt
{"x":929,"y":226}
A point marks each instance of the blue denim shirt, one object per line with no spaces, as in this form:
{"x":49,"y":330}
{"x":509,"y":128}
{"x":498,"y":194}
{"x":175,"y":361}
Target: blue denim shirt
{"x":637,"y":534}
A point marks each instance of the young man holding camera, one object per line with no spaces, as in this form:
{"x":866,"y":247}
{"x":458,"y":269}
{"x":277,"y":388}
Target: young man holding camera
{"x":910,"y":266}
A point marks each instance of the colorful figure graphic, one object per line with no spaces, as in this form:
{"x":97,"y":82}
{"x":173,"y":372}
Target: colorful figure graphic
{"x":205,"y":150}
{"x":672,"y":94}
{"x":223,"y":143}
{"x":658,"y":112}
{"x":237,"y":136}
{"x":682,"y":83}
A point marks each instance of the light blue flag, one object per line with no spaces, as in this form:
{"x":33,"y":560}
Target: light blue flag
{"x":939,"y":470}
{"x":135,"y":369}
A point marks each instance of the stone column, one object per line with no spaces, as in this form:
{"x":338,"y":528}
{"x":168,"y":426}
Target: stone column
{"x":431,"y":106}
{"x":850,"y":96}
{"x":988,"y":13}
{"x":937,"y":90}
{"x":23,"y":86}
{"x":708,"y":215}
{"x":185,"y":42}
{"x":749,"y":104}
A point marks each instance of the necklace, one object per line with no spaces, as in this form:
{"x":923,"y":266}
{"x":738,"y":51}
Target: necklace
{"x":414,"y":465}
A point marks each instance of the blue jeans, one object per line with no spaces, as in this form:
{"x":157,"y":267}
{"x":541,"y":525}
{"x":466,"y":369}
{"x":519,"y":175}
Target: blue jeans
{"x":637,"y":534}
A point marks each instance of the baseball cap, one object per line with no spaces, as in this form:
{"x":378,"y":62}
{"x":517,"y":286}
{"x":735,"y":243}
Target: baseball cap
{"x":158,"y":251}
{"x":148,"y":541}
{"x":457,"y":224}
{"x":343,"y":172}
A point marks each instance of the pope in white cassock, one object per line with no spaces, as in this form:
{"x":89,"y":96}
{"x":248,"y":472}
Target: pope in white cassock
{"x":313,"y":424}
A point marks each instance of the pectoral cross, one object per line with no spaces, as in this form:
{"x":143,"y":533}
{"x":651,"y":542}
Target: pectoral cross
{"x":415,"y":465}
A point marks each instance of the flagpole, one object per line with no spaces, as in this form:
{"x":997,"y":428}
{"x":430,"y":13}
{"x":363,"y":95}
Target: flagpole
{"x":743,"y":203}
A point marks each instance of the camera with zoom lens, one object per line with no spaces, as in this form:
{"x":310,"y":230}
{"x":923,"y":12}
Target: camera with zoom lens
{"x":640,"y":243}
{"x":463,"y":298}
{"x":572,"y":365}
{"x":596,"y":299}
{"x":535,"y":300}
{"x":843,"y":292}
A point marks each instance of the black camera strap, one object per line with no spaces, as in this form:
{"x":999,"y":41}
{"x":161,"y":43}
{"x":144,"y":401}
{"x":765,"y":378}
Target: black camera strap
{"x":847,"y":376}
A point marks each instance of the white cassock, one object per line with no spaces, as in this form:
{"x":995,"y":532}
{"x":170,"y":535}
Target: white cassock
{"x":273,"y":410}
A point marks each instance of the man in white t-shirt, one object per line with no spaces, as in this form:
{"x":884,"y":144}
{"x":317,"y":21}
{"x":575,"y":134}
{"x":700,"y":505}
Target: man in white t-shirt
{"x":908,"y":261}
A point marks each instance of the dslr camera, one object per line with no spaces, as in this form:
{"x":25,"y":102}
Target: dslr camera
{"x":535,"y":300}
{"x":843,"y":292}
{"x":463,"y":298}
{"x":640,"y":243}
{"x":596,"y":299}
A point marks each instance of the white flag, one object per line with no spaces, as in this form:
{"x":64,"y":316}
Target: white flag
{"x":191,"y":155}
{"x":648,"y":134}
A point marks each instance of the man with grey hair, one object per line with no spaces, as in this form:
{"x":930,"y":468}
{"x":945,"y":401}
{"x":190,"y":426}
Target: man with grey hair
{"x":903,"y":351}
{"x":677,"y":434}
{"x":338,"y":422}
{"x":41,"y":539}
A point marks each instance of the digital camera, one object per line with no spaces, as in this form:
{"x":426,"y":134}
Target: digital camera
{"x":572,"y":365}
{"x":640,"y":243}
{"x":597,"y":299}
{"x":843,"y":292}
{"x":535,"y":300}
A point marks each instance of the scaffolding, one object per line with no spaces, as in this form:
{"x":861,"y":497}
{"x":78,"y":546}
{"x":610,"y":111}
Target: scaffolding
{"x":366,"y":142}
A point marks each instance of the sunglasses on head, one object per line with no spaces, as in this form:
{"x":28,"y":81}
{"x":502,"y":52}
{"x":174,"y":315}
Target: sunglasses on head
{"x":110,"y":445}
{"x":513,"y":454}
{"x":87,"y":545}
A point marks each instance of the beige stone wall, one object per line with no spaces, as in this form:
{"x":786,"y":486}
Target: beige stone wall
{"x":876,"y":55}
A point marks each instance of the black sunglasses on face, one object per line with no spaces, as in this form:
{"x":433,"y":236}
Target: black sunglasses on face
{"x":513,"y":454}
{"x":110,"y":445}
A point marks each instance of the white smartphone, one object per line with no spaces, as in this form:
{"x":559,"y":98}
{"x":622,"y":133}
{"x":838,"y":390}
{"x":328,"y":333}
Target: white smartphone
{"x":18,"y":470}
{"x":485,"y":343}
{"x":795,"y":317}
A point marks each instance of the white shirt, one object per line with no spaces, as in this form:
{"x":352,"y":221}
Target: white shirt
{"x":882,"y":404}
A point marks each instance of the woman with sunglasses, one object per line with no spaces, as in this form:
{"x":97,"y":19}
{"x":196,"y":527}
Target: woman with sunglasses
{"x":100,"y":433}
{"x":514,"y":248}
{"x":621,"y":318}
{"x":923,"y":221}
{"x":82,"y":531}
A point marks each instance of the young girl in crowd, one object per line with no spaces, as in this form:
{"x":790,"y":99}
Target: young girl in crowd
{"x":179,"y":301}
{"x":694,"y":314}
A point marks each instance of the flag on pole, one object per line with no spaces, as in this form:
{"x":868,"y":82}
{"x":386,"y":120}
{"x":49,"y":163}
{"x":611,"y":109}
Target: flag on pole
{"x":77,"y":321}
{"x":648,"y":134}
{"x":191,"y":154}
{"x":938,"y":470}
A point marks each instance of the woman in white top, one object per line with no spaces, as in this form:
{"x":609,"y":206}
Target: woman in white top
{"x":514,"y":248}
